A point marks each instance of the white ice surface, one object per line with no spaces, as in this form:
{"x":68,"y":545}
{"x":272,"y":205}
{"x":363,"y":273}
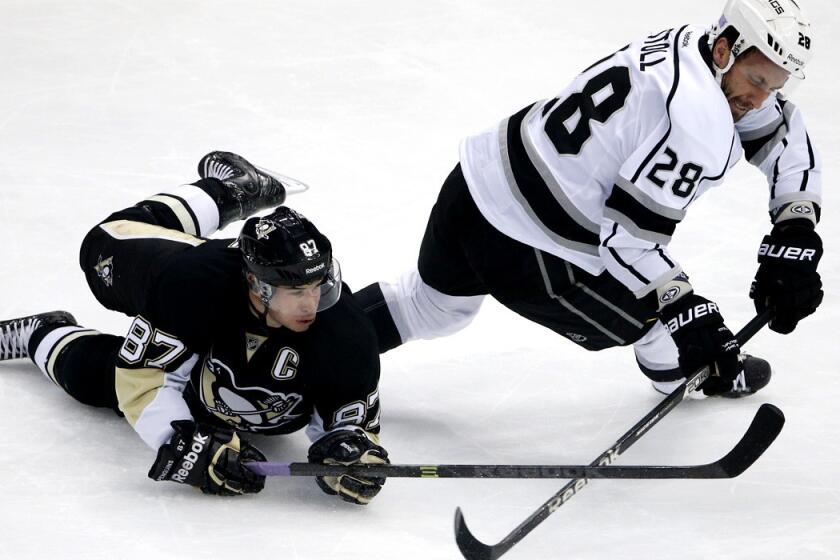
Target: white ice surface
{"x":105,"y":102}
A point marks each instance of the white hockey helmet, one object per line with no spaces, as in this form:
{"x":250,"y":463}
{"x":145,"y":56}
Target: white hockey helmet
{"x":777,"y":28}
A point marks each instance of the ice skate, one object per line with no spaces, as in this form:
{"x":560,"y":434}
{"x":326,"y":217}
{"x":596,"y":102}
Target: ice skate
{"x":16,"y":333}
{"x":754,"y":375}
{"x":248,"y":189}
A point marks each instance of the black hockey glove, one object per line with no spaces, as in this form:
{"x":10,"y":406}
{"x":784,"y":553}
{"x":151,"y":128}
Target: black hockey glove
{"x":702,"y":339}
{"x":787,"y":281}
{"x":208,"y":458}
{"x":347,"y":447}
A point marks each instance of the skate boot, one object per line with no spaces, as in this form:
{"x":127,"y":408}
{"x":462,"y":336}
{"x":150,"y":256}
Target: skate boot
{"x":246,"y":188}
{"x":15,"y":333}
{"x":755,"y":375}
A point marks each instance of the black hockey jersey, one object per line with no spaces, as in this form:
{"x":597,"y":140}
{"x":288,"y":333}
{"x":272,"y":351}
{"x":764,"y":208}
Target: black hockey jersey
{"x":197,"y":351}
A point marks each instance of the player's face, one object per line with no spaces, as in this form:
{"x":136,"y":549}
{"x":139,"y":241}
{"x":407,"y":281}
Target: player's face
{"x":750,"y":81}
{"x":294,"y":307}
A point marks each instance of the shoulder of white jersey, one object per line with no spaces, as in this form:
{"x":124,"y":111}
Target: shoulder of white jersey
{"x":686,"y":141}
{"x":762,"y":129}
{"x":686,"y":119}
{"x":699,"y":110}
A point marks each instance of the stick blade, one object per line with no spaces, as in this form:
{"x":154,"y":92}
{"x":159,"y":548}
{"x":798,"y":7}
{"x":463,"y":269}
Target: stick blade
{"x":765,"y":427}
{"x":471,"y":547}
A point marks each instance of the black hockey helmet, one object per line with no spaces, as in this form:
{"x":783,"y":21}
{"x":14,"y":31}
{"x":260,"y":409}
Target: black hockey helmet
{"x":285,"y":249}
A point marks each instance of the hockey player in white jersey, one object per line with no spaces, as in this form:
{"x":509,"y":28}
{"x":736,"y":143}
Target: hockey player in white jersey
{"x":564,"y":211}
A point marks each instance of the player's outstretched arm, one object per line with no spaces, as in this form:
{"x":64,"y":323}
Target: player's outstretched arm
{"x":349,"y":447}
{"x":208,"y":458}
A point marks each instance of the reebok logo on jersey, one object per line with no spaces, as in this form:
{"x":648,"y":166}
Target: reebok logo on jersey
{"x":189,"y":460}
{"x":786,"y":253}
{"x":690,"y":315}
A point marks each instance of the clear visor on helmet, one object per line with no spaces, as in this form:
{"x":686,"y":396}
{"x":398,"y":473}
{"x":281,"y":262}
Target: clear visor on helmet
{"x":792,"y":84}
{"x":779,"y":82}
{"x":315,"y":296}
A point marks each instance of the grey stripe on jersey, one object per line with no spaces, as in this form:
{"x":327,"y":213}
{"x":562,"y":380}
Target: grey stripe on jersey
{"x":799,"y":196}
{"x":550,"y":181}
{"x":643,"y":198}
{"x":634,"y":230}
{"x":505,"y":148}
{"x":597,"y":297}
{"x":571,"y":307}
{"x":640,"y":215}
{"x":760,"y":142}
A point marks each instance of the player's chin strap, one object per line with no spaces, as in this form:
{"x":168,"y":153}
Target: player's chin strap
{"x":714,"y":35}
{"x":263,"y":315}
{"x":719,"y":72}
{"x":264,"y":292}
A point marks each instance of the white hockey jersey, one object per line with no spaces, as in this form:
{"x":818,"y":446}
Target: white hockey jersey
{"x":602,"y":174}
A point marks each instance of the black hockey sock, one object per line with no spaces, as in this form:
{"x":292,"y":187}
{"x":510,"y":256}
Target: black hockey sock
{"x":179,"y":209}
{"x":374,"y":305}
{"x":80,"y":361}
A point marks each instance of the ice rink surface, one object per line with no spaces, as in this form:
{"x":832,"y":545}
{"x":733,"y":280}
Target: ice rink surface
{"x":106,"y":102}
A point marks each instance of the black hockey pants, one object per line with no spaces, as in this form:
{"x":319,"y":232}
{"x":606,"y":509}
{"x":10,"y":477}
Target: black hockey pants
{"x":463,"y":255}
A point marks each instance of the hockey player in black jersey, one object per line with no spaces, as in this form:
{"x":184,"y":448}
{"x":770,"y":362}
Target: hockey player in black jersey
{"x":564,"y":211}
{"x":229,"y":336}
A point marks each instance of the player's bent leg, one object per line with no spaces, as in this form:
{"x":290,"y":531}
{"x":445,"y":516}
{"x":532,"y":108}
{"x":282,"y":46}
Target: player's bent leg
{"x":79,"y":360}
{"x":231,"y":188}
{"x":410,"y":309}
{"x":443,"y":294}
{"x":191,"y":209}
{"x":123,"y":259}
{"x":657,"y":358}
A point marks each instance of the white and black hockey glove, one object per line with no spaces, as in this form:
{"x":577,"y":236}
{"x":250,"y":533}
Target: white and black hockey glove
{"x":787,"y":281}
{"x":208,"y":458}
{"x":348,"y":447}
{"x":702,"y":339}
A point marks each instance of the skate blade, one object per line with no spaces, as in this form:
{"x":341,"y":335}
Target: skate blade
{"x":292,"y":186}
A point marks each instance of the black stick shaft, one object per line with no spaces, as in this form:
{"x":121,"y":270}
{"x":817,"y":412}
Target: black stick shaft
{"x":765,"y":426}
{"x":472,"y":548}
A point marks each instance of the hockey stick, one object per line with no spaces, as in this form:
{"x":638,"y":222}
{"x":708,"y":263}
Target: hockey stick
{"x":765,"y":426}
{"x":473,"y":549}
